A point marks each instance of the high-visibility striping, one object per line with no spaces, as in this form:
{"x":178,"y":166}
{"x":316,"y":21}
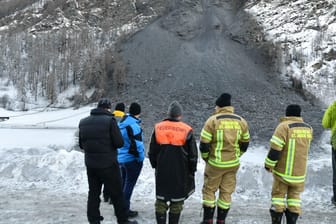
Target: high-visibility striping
{"x":223,"y":204}
{"x":290,"y":157}
{"x":277,"y":141}
{"x":206,"y":135}
{"x":219,"y":145}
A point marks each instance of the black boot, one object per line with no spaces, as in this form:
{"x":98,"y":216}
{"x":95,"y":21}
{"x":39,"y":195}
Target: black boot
{"x":276,"y":216}
{"x":174,"y":218}
{"x":161,"y":218}
{"x":221,"y":215}
{"x":291,"y":217}
{"x":208,"y":215}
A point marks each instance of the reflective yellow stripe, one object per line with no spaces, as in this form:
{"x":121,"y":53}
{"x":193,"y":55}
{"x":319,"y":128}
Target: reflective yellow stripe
{"x":236,"y":145}
{"x":277,"y":141}
{"x":290,"y":179}
{"x":222,"y":164}
{"x":270,"y":162}
{"x":278,"y":201}
{"x":206,"y":135}
{"x":246,"y":136}
{"x":223,"y":204}
{"x":294,"y":202}
{"x":219,"y":146}
{"x":205,"y":155}
{"x":209,"y":203}
{"x":290,"y":157}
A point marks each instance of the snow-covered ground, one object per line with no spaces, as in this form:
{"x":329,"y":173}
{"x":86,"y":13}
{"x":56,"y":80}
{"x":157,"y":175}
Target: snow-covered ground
{"x":43,"y":180}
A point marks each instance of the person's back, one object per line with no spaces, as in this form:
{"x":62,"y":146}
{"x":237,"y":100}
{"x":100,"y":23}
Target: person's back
{"x":96,"y":141}
{"x":100,"y":137}
{"x":173,"y":155}
{"x":287,"y":160}
{"x":131,"y":154}
{"x":329,"y":122}
{"x":224,"y":138}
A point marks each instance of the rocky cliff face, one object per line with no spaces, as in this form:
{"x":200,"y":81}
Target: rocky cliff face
{"x":304,"y":36}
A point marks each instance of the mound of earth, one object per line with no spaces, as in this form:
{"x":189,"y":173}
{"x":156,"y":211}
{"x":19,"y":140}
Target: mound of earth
{"x":190,"y":55}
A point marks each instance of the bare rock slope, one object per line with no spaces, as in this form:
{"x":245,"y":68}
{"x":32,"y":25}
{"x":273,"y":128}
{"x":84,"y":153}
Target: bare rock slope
{"x":199,"y":50}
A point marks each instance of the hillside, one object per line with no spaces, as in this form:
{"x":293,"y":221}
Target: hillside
{"x":198,"y":51}
{"x":71,"y":52}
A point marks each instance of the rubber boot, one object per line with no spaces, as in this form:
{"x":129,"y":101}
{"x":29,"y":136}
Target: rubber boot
{"x":161,"y":218}
{"x":276,"y":216}
{"x":208,"y":215}
{"x":221,"y":215}
{"x":174,"y":218}
{"x":291,"y":217}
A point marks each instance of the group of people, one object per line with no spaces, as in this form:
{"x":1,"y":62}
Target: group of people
{"x":114,"y":155}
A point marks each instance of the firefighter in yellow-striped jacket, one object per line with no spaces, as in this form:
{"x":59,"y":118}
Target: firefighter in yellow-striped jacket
{"x":287,"y":160}
{"x":224,"y":138}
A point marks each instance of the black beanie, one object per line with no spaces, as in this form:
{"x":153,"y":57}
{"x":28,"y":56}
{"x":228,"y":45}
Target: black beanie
{"x":175,"y":109}
{"x":104,"y":103}
{"x":224,"y":100}
{"x":120,"y":106}
{"x":134,"y":109}
{"x":293,"y":110}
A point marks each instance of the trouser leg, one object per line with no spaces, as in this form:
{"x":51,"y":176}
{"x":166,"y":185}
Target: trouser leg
{"x":227,"y":187}
{"x":293,"y":197}
{"x":175,"y":209}
{"x":279,"y":191}
{"x":161,"y":208}
{"x":112,"y":183}
{"x":130,"y":172}
{"x":334,"y":172}
{"x":212,"y":180}
{"x":95,"y":184}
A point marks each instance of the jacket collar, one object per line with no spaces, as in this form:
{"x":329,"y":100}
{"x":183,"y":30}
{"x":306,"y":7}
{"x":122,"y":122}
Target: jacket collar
{"x":291,"y":118}
{"x":100,"y":111}
{"x":227,"y":109}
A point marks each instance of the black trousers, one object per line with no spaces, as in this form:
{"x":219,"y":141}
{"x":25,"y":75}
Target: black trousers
{"x":111,"y":179}
{"x":334,"y":171}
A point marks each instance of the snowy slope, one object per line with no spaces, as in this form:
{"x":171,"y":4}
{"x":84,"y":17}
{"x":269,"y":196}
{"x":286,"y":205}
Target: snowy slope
{"x":304,"y":33}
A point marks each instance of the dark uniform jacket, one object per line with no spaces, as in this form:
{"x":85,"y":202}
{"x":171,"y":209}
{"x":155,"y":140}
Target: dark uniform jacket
{"x":100,"y":137}
{"x":173,"y":154}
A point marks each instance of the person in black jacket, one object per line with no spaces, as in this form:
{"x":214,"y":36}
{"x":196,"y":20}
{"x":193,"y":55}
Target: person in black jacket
{"x":99,"y":137}
{"x":173,"y":155}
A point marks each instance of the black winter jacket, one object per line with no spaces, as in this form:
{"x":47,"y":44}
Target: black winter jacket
{"x":99,"y":136}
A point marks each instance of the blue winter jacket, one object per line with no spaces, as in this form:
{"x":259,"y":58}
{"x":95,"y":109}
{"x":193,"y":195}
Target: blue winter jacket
{"x":132,"y":134}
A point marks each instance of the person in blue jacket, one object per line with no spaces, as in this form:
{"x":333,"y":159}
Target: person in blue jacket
{"x":131,"y":155}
